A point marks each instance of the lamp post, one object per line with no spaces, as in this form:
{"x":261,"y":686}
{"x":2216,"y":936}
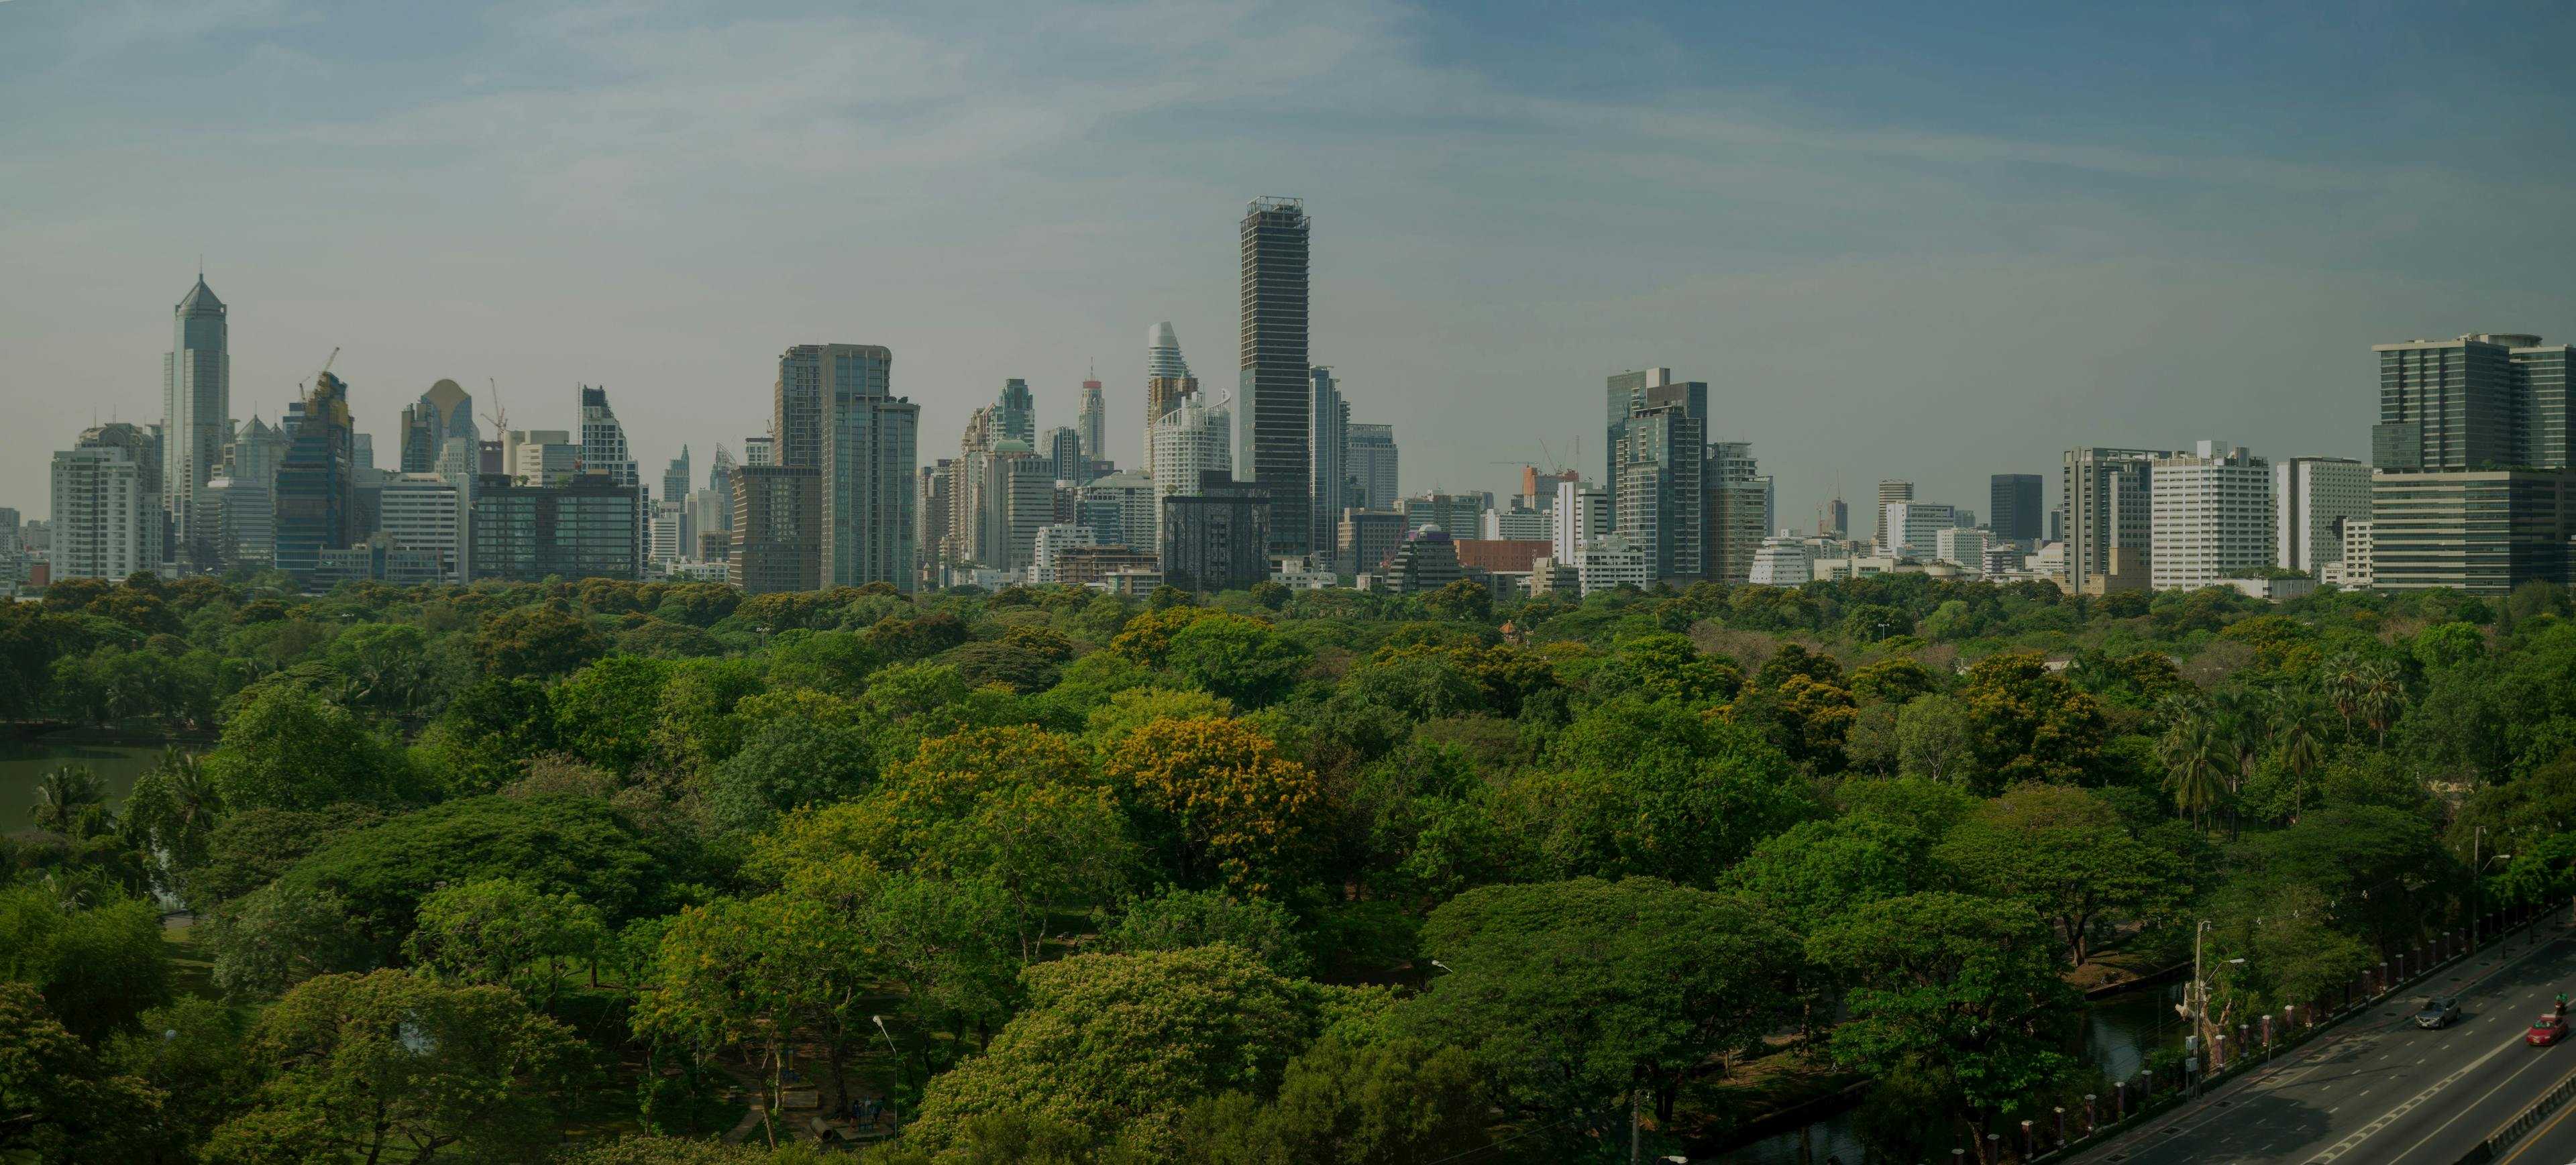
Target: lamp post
{"x":892,"y":1104}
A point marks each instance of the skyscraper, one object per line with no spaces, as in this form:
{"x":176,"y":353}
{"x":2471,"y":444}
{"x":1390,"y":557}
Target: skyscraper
{"x":196,"y":419}
{"x":1739,"y":511}
{"x":1015,"y":413}
{"x":1889,"y":493}
{"x":1167,"y":380}
{"x":2212,"y":515}
{"x":1190,"y":442}
{"x":2312,"y":499}
{"x":443,"y":412}
{"x":675,"y":491}
{"x":869,"y":443}
{"x":603,"y":440}
{"x":1091,"y":420}
{"x":106,"y":509}
{"x":1329,"y":466}
{"x":2013,"y":511}
{"x":777,"y":529}
{"x":1063,"y":451}
{"x":1372,"y":468}
{"x":1658,"y":464}
{"x":316,"y":509}
{"x":2106,"y":496}
{"x":2448,"y":405}
{"x":1277,"y":394}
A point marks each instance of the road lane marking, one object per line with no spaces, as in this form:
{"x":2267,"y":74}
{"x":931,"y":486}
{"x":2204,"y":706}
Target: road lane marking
{"x":2472,"y":1105}
{"x":2390,"y":1117}
{"x":2536,"y":1136}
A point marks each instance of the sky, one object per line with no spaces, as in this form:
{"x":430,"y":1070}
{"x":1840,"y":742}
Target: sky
{"x":1928,"y":242}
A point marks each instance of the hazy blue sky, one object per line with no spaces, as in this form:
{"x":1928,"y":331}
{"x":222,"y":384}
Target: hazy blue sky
{"x":1902,"y":240}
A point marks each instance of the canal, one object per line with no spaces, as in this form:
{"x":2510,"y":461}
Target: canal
{"x":24,"y":763}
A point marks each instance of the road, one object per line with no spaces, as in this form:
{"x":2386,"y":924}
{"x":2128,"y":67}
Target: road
{"x":2379,"y":1091}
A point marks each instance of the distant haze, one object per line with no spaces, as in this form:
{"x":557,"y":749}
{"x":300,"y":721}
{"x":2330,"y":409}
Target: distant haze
{"x":1916,"y":241}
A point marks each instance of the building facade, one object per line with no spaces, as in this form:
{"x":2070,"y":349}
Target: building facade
{"x":1091,"y":421}
{"x":2013,"y":509}
{"x":1276,"y":388}
{"x":1370,"y":449}
{"x":587,"y":527}
{"x":1217,"y":537}
{"x":431,"y":513}
{"x":316,"y":503}
{"x":1658,"y":470}
{"x":2110,"y":521}
{"x":2312,"y":498}
{"x":443,"y":412}
{"x":870,"y":445}
{"x":1191,"y":441}
{"x":777,"y":529}
{"x":106,"y":515}
{"x":2480,"y":532}
{"x":196,"y":420}
{"x":2211,"y":516}
{"x":1739,"y":511}
{"x":1328,"y":465}
{"x":1167,"y":380}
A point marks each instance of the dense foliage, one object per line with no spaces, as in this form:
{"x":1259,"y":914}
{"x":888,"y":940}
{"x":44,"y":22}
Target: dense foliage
{"x":1052,"y":875}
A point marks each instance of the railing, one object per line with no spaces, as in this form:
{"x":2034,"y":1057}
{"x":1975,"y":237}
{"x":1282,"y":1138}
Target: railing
{"x":2370,"y":989}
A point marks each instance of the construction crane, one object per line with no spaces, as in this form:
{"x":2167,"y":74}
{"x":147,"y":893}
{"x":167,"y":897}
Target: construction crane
{"x":326,"y":364}
{"x":499,"y":417}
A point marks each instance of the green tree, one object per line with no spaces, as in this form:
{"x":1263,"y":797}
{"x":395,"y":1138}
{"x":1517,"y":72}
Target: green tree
{"x":1664,"y":665}
{"x":276,"y":937}
{"x":1174,"y":919}
{"x":482,"y":738}
{"x":1958,"y":997}
{"x":1934,"y":738}
{"x":560,"y":842}
{"x":291,"y":749}
{"x":1122,"y":1045}
{"x":1572,"y":994}
{"x":2029,"y":724}
{"x":536,"y":642}
{"x":1401,"y":1102}
{"x":755,"y":972}
{"x":2066,"y":854}
{"x":97,"y":968}
{"x":65,"y":796}
{"x":2197,"y":761}
{"x":1237,"y":659}
{"x":391,"y":1063}
{"x":505,"y":931}
{"x":190,"y":1049}
{"x":791,"y":761}
{"x":58,"y":1104}
{"x":1654,"y":789}
{"x":1464,"y":600}
{"x":607,"y":711}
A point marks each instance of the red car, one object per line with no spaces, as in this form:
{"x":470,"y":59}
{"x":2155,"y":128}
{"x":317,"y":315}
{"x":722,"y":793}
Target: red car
{"x":2546,"y":1030}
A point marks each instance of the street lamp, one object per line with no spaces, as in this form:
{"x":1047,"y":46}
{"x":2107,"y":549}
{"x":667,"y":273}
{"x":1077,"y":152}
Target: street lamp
{"x":893,"y":1105}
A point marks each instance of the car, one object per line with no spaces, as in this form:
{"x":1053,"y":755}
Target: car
{"x":2438,"y":1012}
{"x":2546,"y":1030}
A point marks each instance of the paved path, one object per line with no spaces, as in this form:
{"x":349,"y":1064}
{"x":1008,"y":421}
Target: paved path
{"x":2380,"y":1091}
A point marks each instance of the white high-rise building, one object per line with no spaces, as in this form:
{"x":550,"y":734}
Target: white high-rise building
{"x":196,"y":421}
{"x":1583,"y":515}
{"x":1916,"y":527}
{"x":1372,"y":467}
{"x":2312,"y":497}
{"x":1961,"y":546}
{"x":2211,"y":516}
{"x":106,"y":513}
{"x":1890,"y":493}
{"x":1124,"y":503}
{"x":540,"y":456}
{"x":1782,"y":561}
{"x":1519,"y":525}
{"x":662,"y":535}
{"x":1051,"y":541}
{"x":1190,"y":440}
{"x":1610,"y":561}
{"x":429,"y":512}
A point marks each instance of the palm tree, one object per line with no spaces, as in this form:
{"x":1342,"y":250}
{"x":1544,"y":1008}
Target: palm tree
{"x":195,"y":803}
{"x":63,"y":794}
{"x":2382,"y":698}
{"x":2302,"y":748}
{"x":2344,"y":682}
{"x":2195,"y":755}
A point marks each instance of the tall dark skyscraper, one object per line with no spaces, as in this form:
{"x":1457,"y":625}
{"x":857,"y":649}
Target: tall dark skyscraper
{"x":1278,"y":397}
{"x":2012,"y":508}
{"x":315,"y":507}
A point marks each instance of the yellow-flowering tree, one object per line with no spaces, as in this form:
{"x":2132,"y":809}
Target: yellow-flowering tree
{"x":1219,"y":803}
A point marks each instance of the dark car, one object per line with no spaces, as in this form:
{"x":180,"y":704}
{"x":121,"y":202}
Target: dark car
{"x":2438,"y":1011}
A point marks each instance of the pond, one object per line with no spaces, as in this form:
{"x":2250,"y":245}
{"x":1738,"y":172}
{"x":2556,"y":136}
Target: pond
{"x":24,"y":763}
{"x":2118,"y":1033}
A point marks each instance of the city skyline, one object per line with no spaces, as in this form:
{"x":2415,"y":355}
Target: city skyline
{"x":2324,"y":250}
